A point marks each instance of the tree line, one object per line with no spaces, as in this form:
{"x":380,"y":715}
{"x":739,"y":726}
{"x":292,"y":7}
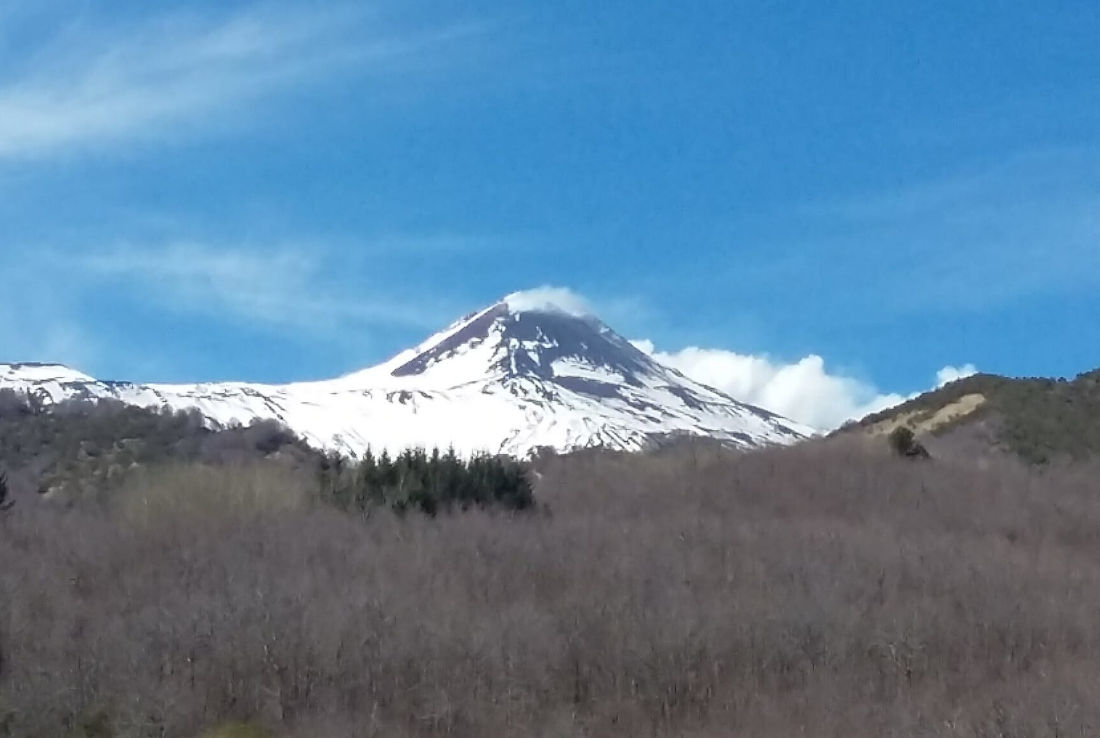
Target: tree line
{"x":428,"y":482}
{"x":87,"y":448}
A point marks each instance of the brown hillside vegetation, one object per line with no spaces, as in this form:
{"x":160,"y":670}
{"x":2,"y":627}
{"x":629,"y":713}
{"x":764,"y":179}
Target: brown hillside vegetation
{"x":813,"y":591}
{"x":1040,"y":420}
{"x":80,"y":448}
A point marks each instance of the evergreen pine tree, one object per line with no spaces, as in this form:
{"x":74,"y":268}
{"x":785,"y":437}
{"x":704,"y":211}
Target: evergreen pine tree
{"x":367,"y":491}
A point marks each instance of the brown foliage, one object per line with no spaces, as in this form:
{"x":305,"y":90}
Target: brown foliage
{"x":78,"y":449}
{"x":816,"y":591}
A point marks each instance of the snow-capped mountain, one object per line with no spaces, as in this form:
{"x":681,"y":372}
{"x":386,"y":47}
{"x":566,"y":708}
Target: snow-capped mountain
{"x":508,"y":379}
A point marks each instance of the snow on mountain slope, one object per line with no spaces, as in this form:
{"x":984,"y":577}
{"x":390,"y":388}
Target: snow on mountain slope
{"x":506,"y":379}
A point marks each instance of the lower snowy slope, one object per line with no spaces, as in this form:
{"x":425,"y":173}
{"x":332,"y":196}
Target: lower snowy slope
{"x":500,"y":380}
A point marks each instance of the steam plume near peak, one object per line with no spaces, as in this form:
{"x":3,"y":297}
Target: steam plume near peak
{"x":549,"y":299}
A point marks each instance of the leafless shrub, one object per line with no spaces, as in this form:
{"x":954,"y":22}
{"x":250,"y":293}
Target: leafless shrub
{"x":818,"y":591}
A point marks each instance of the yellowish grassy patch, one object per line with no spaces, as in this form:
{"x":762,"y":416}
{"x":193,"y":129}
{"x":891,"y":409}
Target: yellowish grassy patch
{"x":237,"y":730}
{"x":926,"y":422}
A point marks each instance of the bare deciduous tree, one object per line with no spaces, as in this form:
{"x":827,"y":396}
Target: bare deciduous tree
{"x":820,"y":590}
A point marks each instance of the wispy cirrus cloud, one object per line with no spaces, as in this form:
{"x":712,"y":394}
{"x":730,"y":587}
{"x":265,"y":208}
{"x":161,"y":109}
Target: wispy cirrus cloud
{"x":965,"y":242}
{"x":292,"y":287}
{"x":48,"y":330}
{"x":66,"y":304}
{"x":1028,"y":226}
{"x":83,"y":83}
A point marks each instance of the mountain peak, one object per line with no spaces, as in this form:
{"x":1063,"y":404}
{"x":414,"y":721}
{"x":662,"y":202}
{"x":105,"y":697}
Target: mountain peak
{"x":536,"y":369}
{"x":527,"y":335}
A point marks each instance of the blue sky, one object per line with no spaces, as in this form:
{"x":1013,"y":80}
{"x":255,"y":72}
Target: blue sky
{"x":282,"y":191}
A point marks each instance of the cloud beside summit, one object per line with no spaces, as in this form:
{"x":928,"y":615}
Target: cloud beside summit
{"x":805,"y":390}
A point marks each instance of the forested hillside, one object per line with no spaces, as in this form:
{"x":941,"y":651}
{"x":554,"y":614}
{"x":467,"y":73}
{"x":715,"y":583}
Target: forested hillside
{"x":78,"y":448}
{"x":820,"y":590}
{"x":1041,"y":420}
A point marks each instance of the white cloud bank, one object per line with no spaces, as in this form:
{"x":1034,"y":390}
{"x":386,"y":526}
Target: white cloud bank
{"x":804,"y":391}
